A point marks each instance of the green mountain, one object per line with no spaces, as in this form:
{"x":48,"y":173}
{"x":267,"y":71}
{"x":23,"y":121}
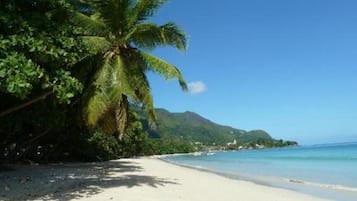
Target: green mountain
{"x":191,"y":127}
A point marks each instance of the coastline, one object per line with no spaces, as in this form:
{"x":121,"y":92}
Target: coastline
{"x":226,"y":175}
{"x":147,"y":178}
{"x":322,"y":191}
{"x":325,"y":190}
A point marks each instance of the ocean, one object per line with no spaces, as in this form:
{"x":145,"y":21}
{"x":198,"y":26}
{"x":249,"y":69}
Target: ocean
{"x":327,"y":171}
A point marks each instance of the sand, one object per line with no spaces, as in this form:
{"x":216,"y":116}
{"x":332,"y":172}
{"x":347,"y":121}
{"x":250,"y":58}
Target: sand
{"x":143,"y":179}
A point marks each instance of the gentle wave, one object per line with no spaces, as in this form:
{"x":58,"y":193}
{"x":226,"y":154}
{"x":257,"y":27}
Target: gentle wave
{"x":329,"y":186}
{"x":321,"y":158}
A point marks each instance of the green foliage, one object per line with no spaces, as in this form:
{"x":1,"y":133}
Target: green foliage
{"x":18,"y":74}
{"x":65,"y":85}
{"x":254,"y":135}
{"x":102,"y":146}
{"x":38,"y":47}
{"x":89,"y":54}
{"x":275,"y":143}
{"x":136,"y":142}
{"x":159,"y":146}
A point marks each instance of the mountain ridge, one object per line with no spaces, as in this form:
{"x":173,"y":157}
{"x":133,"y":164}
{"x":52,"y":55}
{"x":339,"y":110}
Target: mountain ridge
{"x":194,"y":128}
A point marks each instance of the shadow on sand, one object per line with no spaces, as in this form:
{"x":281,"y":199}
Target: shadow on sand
{"x":72,"y":181}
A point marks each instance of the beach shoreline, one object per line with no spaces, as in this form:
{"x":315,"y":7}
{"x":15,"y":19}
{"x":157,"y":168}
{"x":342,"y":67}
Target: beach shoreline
{"x":147,"y":178}
{"x":324,"y":191}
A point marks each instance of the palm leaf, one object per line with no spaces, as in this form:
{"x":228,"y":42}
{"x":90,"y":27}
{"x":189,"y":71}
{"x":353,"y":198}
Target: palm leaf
{"x":92,"y":24}
{"x":145,"y":8}
{"x":96,"y":44}
{"x":168,"y":71}
{"x":115,"y":120}
{"x":174,"y":36}
{"x":122,"y":116}
{"x":147,"y":100}
{"x":132,"y":81}
{"x":104,"y":76}
{"x":107,"y":124}
{"x":150,"y":35}
{"x":143,"y":91}
{"x":98,"y":105}
{"x":122,"y":83}
{"x":114,"y":13}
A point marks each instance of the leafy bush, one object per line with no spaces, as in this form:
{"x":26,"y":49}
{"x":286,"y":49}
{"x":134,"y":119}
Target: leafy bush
{"x":102,"y":147}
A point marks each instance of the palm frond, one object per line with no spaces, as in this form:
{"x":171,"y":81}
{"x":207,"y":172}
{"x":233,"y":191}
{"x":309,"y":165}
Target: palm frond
{"x":92,"y":24}
{"x":107,"y":124}
{"x":122,"y":116}
{"x":122,"y":80}
{"x":149,"y":36}
{"x":132,"y":82}
{"x":99,"y":102}
{"x":96,"y":44}
{"x":104,"y":76}
{"x":116,"y":119}
{"x":98,"y":105}
{"x":146,"y":98}
{"x":145,"y":8}
{"x":141,"y":84}
{"x":167,"y":70}
{"x":114,"y":13}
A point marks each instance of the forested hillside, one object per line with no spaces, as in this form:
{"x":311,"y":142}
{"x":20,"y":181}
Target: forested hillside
{"x":191,"y":127}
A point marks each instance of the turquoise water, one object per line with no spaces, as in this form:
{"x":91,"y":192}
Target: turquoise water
{"x":328,"y":171}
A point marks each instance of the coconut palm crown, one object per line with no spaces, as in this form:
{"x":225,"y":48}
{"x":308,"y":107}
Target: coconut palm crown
{"x":120,"y":34}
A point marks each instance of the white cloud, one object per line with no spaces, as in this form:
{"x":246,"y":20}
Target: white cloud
{"x":196,"y":87}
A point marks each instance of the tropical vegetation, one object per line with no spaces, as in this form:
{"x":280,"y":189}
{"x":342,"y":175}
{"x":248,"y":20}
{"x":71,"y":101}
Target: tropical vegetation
{"x":70,"y":69}
{"x":73,"y":82}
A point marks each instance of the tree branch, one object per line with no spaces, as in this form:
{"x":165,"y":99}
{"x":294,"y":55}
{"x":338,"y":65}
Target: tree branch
{"x":30,"y":102}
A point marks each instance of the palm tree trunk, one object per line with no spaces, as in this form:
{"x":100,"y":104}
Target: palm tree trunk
{"x":30,"y":102}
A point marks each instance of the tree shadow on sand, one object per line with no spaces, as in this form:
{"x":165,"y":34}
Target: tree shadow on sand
{"x":72,"y":181}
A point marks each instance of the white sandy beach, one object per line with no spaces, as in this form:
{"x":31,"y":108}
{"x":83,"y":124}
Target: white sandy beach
{"x":146,"y":179}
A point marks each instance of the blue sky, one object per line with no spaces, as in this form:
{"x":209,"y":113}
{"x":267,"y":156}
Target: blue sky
{"x":285,"y":66}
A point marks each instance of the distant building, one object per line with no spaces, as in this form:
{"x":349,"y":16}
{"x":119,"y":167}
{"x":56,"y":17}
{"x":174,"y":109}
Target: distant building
{"x":232,"y":143}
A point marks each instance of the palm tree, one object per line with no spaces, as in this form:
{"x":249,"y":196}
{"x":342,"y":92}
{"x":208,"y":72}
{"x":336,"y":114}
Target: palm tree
{"x":119,"y":33}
